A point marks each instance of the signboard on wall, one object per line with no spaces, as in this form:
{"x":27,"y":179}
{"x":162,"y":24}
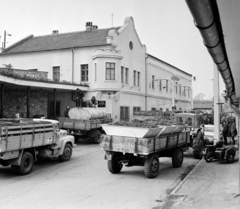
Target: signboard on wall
{"x":101,"y":103}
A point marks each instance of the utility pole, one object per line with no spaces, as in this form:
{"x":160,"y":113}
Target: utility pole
{"x":4,"y":40}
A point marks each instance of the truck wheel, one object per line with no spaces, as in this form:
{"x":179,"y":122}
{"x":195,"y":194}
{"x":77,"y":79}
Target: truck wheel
{"x":95,"y":136}
{"x":177,"y":158}
{"x":230,"y":158}
{"x":208,"y":156}
{"x":114,"y":165}
{"x":198,"y":145}
{"x":151,"y":166}
{"x":14,"y":169}
{"x":67,"y":153}
{"x":26,"y":165}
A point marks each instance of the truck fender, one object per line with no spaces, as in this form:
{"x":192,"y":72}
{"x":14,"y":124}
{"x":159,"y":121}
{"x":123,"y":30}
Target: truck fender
{"x":16,"y":161}
{"x":64,"y":140}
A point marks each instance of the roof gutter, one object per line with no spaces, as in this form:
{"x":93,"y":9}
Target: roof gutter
{"x":207,"y":20}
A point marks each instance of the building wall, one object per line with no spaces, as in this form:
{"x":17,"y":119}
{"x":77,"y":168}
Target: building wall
{"x":15,"y":101}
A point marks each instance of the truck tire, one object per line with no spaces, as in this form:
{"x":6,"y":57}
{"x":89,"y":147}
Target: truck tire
{"x":230,"y":158}
{"x":177,"y":158}
{"x":114,"y":165}
{"x":95,"y":136}
{"x":208,"y":156}
{"x":198,"y":145}
{"x":151,"y":166}
{"x":26,"y":164}
{"x":67,"y":153}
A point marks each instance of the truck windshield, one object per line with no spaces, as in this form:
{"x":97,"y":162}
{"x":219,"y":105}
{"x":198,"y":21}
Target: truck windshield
{"x":184,"y":120}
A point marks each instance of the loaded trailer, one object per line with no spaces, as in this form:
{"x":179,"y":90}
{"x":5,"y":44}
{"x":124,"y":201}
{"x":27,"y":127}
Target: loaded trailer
{"x":24,"y":141}
{"x":85,"y":123}
{"x":133,"y":146}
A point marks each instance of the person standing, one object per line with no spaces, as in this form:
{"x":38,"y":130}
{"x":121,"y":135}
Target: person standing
{"x":229,"y":133}
{"x":79,"y":98}
{"x":233,"y":132}
{"x":66,"y":112}
{"x":225,"y":132}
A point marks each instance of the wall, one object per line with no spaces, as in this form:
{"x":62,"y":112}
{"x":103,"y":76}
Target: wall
{"x":15,"y":101}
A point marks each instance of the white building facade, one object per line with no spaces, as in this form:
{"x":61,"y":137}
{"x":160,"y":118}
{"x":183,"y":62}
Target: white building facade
{"x":112,"y":62}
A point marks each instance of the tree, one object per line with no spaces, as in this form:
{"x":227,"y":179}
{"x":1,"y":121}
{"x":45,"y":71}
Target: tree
{"x":199,"y":96}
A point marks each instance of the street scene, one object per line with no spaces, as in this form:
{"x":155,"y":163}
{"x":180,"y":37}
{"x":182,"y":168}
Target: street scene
{"x":108,"y":107}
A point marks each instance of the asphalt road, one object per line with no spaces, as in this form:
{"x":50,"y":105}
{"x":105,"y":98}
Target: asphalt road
{"x":85,"y":182}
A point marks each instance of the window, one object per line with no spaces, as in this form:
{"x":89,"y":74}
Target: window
{"x":136,"y":109}
{"x":176,"y":87}
{"x":188,"y":92}
{"x":126,"y":75}
{"x":160,"y":85}
{"x":95,"y":71}
{"x":110,"y":71}
{"x":166,"y":85}
{"x":180,"y":90}
{"x":84,"y":72}
{"x":138,"y":79}
{"x":161,"y":109}
{"x":56,"y":74}
{"x":122,"y":74}
{"x":153,"y":108}
{"x":153,"y":78}
{"x":124,"y":113}
{"x":134,"y":77}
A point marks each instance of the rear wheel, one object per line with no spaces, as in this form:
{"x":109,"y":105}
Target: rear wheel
{"x":198,"y":145}
{"x":114,"y":165}
{"x":208,"y":156}
{"x":230,"y":158}
{"x":151,"y":166}
{"x":67,"y":153}
{"x":26,"y":165}
{"x":177,"y":158}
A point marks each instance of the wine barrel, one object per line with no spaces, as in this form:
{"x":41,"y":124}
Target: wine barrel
{"x":86,"y":113}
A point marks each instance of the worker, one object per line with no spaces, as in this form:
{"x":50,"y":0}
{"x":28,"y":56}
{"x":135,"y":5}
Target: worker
{"x":66,"y":112}
{"x":233,"y":132}
{"x":225,"y":132}
{"x":79,"y":99}
{"x":93,"y":102}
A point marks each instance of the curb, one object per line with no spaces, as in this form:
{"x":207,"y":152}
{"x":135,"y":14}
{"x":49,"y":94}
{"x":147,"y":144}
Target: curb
{"x":185,"y":179}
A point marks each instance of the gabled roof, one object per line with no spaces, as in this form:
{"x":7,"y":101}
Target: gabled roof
{"x":60,"y":41}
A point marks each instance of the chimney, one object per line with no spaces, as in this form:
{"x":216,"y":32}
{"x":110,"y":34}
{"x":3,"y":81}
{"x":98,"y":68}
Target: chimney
{"x":55,"y":32}
{"x":94,"y":27}
{"x":89,"y":26}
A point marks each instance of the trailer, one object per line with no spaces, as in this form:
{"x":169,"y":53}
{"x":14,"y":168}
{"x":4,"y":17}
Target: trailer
{"x":90,"y":129}
{"x":25,"y":141}
{"x":133,"y":146}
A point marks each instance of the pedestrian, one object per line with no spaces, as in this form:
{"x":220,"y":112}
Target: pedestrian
{"x":229,"y":133}
{"x":93,"y":102}
{"x":225,"y":132}
{"x":79,"y":99}
{"x":233,"y":132}
{"x":66,"y":112}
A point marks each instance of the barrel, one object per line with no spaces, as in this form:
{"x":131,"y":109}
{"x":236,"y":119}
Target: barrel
{"x":86,"y":113}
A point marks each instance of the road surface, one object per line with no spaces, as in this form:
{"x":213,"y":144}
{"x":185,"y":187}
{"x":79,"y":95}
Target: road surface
{"x":85,"y":182}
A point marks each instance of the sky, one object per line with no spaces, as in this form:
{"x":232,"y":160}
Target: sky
{"x":165,"y":26}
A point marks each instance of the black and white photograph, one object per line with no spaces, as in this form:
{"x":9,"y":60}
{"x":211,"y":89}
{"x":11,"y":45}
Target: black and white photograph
{"x":113,"y":104}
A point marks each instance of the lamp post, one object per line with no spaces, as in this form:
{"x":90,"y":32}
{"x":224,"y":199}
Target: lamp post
{"x":4,"y":41}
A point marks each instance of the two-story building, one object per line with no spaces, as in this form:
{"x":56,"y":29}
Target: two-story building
{"x":111,"y":64}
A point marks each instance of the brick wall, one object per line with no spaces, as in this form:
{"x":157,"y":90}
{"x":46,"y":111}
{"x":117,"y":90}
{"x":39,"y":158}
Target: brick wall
{"x":15,"y":101}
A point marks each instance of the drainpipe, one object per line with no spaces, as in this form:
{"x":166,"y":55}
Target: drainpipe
{"x":72,"y":65}
{"x":146,"y":83}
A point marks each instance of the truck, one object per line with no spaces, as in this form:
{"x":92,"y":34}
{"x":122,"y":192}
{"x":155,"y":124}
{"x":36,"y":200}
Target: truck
{"x":138,"y":146}
{"x":25,"y":141}
{"x":88,"y":127}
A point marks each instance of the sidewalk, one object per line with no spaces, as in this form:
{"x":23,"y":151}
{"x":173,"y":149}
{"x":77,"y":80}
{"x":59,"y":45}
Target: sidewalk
{"x":212,"y":185}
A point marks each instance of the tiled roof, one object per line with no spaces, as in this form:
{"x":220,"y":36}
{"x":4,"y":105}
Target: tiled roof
{"x":61,"y":41}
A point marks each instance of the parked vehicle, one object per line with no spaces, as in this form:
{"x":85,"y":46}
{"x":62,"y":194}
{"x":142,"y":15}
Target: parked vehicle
{"x":89,"y":127}
{"x":220,"y":152}
{"x":136,"y":146}
{"x":194,"y":123}
{"x":24,"y":141}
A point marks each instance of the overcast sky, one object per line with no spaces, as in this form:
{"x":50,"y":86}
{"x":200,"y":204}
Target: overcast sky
{"x":165,"y":26}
